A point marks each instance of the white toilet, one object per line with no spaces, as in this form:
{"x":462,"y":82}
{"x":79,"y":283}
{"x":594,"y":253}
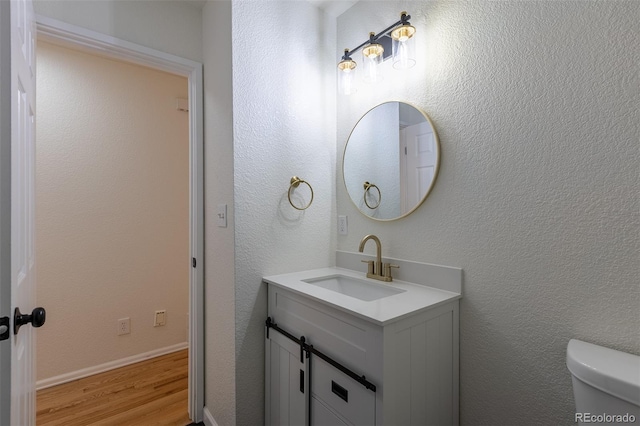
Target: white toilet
{"x":606,"y":384}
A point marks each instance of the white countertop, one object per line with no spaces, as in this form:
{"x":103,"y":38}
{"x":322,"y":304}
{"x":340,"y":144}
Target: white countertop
{"x":383,"y":311}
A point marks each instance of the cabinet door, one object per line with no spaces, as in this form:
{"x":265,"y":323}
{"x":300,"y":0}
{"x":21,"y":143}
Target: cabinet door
{"x":285,"y":382}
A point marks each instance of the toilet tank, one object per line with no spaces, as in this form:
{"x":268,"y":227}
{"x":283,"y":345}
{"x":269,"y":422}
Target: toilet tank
{"x":606,"y":384}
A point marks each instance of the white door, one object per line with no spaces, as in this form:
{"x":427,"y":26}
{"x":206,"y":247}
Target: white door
{"x":420,"y":163}
{"x":21,"y":403}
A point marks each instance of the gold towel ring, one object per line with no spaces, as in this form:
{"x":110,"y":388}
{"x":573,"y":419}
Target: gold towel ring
{"x":295,"y":182}
{"x":367,"y":187}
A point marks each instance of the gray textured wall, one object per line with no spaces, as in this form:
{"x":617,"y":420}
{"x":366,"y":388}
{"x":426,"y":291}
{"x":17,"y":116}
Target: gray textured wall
{"x":536,"y":106}
{"x":284,"y":125}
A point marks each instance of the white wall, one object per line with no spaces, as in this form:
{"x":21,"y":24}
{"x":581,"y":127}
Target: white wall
{"x":535,"y":104}
{"x":169,"y":26}
{"x":284,"y":125}
{"x":112,"y":208}
{"x":220,"y":365}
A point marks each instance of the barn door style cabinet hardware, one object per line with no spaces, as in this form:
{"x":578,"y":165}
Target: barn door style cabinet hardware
{"x":324,"y":365}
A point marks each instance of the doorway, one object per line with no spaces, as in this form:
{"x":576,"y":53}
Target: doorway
{"x":112,"y":213}
{"x":75,"y":37}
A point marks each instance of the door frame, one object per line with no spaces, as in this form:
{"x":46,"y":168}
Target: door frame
{"x":5,"y":208}
{"x":76,"y":37}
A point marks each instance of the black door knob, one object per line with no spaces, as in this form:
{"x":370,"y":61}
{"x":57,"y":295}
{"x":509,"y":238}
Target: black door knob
{"x":37,"y":317}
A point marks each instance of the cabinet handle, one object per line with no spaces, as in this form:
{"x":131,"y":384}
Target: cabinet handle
{"x":340,"y":391}
{"x":301,"y":381}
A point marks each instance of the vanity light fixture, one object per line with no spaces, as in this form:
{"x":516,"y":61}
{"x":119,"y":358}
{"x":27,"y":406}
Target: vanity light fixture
{"x":375,"y":50}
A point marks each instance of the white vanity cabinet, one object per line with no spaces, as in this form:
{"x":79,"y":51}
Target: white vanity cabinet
{"x":412,"y":360}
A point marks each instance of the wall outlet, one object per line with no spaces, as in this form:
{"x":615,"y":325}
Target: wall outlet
{"x":343,"y":228}
{"x":124,"y":326}
{"x":160,"y":318}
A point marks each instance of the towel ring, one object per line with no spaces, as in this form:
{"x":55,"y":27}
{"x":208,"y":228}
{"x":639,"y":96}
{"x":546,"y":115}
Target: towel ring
{"x":295,"y":182}
{"x":367,"y":187}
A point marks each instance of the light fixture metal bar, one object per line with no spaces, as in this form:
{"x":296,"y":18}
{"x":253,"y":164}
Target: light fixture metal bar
{"x":404,"y":19}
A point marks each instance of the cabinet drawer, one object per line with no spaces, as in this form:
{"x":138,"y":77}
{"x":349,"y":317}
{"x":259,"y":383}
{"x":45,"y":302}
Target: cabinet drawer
{"x":322,"y":416}
{"x":342,"y":394}
{"x":347,"y":339}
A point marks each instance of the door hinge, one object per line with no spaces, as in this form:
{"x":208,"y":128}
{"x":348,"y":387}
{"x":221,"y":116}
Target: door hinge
{"x":193,"y":262}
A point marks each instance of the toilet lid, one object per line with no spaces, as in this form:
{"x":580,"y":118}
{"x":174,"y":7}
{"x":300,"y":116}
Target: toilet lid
{"x":614,"y":372}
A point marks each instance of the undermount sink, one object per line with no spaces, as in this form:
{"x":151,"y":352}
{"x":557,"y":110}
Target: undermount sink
{"x":354,"y":287}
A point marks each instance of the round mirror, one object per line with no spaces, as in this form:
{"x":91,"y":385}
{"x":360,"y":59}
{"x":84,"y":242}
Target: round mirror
{"x":391,"y":161}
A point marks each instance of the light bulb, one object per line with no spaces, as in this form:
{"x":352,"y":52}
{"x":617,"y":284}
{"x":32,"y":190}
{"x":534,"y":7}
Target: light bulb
{"x":403,"y":55}
{"x":371,"y":58}
{"x":404,"y":52}
{"x":403,"y":46}
{"x":346,"y":76}
{"x":403,"y":33}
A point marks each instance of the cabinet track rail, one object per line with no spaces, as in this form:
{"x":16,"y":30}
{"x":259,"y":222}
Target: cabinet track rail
{"x":309,"y":349}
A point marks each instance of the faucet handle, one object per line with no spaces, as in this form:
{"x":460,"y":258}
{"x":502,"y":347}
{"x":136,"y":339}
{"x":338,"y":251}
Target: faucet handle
{"x":387,"y":269}
{"x":369,"y":265}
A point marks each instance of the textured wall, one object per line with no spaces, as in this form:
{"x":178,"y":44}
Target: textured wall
{"x":112,"y":218}
{"x":536,"y":106}
{"x":169,"y":26}
{"x":219,"y":242}
{"x":284,"y":125}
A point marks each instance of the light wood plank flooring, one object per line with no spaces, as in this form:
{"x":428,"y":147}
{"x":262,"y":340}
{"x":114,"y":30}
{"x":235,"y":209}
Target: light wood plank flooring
{"x":152,"y":392}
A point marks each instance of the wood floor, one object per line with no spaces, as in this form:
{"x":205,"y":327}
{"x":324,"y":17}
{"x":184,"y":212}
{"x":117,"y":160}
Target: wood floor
{"x":152,"y":392}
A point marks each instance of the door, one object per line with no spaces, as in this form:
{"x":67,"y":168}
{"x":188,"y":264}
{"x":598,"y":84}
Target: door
{"x":286,"y":382}
{"x":420,"y":162}
{"x":20,"y":198}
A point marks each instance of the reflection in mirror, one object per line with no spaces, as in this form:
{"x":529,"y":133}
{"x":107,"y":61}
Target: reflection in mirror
{"x":391,"y":161}
{"x":372,"y":200}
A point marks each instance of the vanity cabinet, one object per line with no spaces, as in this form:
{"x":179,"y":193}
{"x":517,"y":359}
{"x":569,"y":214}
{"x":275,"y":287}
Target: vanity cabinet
{"x":412,"y":360}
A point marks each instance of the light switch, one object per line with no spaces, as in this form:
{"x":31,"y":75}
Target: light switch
{"x":222,"y":215}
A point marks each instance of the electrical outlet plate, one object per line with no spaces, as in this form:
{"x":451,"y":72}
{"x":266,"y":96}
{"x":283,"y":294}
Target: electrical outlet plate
{"x":124,"y":326}
{"x":343,"y":228}
{"x":160,"y":318}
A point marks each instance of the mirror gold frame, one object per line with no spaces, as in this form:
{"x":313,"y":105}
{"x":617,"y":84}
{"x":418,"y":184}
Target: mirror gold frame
{"x":376,"y":174}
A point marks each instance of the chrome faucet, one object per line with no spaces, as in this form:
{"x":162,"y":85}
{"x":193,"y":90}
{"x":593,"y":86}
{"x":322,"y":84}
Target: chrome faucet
{"x":377,"y":270}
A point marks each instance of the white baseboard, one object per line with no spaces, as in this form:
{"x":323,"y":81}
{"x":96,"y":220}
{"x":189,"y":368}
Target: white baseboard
{"x":208,"y":418}
{"x":89,"y":371}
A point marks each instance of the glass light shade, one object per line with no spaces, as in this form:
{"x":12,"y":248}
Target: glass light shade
{"x":404,"y":47}
{"x":347,"y":77}
{"x":371,"y":59}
